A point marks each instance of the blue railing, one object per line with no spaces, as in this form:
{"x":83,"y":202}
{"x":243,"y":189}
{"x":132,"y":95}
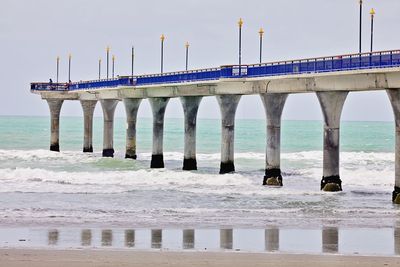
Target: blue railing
{"x":314,"y":65}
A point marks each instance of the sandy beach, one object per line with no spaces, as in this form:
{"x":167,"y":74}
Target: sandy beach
{"x":77,"y":258}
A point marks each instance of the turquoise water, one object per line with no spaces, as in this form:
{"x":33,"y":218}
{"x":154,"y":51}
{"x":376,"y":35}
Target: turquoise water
{"x":33,"y":133}
{"x":71,"y":188}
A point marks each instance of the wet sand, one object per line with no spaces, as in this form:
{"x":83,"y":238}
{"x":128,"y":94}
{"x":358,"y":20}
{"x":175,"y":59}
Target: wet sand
{"x":99,"y":258}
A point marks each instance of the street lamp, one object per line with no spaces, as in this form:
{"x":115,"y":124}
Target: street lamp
{"x":261,"y":33}
{"x":360,"y":33}
{"x":108,"y":59}
{"x":99,"y":68}
{"x":58,"y":68}
{"x":69,"y":67}
{"x":162,"y":38}
{"x":132,"y":59}
{"x":113,"y":65}
{"x":240,"y":23}
{"x":372,"y":13}
{"x":187,"y":54}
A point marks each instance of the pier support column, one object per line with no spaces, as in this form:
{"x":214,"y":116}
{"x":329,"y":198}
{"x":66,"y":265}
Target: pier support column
{"x":108,"y":106}
{"x":55,"y":108}
{"x":158,"y":106}
{"x":273,"y":105}
{"x":394,"y":97}
{"x":331,"y":105}
{"x":228,"y":105}
{"x":131,"y":109}
{"x":190,"y":106}
{"x":88,"y":109}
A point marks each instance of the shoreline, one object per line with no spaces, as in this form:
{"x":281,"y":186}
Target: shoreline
{"x":78,"y":258}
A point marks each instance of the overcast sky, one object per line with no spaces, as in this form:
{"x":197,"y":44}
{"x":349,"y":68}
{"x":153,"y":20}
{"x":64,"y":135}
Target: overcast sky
{"x":34,"y":33}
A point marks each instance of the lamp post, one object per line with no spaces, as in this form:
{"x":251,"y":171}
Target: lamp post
{"x":240,"y":23}
{"x":58,"y":68}
{"x":372,"y":13}
{"x":69,"y":67}
{"x":113,"y":65}
{"x":162,"y":38}
{"x":187,"y":54}
{"x":99,"y":68}
{"x":132,"y":59}
{"x":261,"y":33}
{"x":108,"y":60}
{"x":360,"y":33}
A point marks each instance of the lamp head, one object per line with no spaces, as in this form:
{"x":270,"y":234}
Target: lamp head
{"x":261,"y":32}
{"x":372,"y":12}
{"x":240,"y":23}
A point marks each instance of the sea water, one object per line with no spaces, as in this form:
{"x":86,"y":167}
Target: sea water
{"x":75,"y":189}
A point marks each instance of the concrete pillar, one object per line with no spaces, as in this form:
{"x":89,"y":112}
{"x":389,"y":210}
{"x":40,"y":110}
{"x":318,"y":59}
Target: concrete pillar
{"x":330,"y":240}
{"x":108,"y":106}
{"x":190,"y":106}
{"x":273,"y":105}
{"x":228,"y":105}
{"x":158,"y":106}
{"x":88,"y":109}
{"x":394,"y":97}
{"x":331,"y":105}
{"x":55,"y":107}
{"x":131,"y":109}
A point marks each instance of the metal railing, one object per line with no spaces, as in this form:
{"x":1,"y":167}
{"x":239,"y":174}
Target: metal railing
{"x":373,"y":60}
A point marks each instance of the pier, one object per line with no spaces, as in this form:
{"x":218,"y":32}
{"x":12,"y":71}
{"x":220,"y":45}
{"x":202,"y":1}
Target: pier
{"x":330,"y":78}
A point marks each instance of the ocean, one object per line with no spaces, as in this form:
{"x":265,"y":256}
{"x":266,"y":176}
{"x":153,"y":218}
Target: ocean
{"x":73,"y":189}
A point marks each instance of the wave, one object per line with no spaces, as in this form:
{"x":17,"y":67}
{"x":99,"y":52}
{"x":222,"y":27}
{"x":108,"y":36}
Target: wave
{"x":32,"y":155}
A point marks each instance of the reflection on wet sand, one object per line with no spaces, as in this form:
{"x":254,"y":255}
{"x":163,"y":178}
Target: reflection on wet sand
{"x":188,"y":239}
{"x":106,"y":238}
{"x":156,"y":238}
{"x":272,"y":239}
{"x":129,"y":238}
{"x":275,"y":239}
{"x":52,"y":237}
{"x":226,"y":238}
{"x":330,"y":240}
{"x":86,"y":237}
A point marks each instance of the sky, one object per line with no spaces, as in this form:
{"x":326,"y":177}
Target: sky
{"x":34,"y":33}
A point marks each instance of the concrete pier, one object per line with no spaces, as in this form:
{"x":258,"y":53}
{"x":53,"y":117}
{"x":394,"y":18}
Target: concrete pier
{"x":273,"y":105}
{"x":88,"y":107}
{"x":190,"y":106}
{"x":131,"y":109}
{"x":394,"y":97}
{"x":55,"y":108}
{"x":158,"y":106}
{"x":228,"y":105}
{"x":331,"y":105}
{"x":108,"y":106}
